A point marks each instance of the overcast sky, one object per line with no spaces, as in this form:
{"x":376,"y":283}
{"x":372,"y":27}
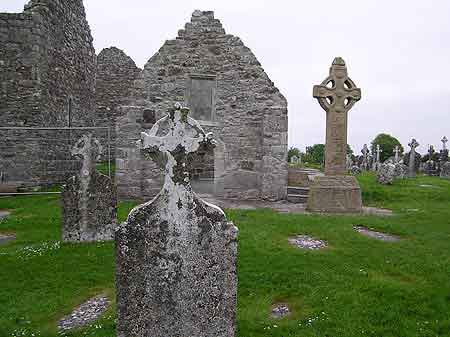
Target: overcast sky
{"x":397,"y":52}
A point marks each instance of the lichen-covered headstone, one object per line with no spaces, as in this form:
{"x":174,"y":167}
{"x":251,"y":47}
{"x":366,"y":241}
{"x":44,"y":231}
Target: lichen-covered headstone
{"x":401,"y":170}
{"x":176,"y":255}
{"x":89,"y":200}
{"x":412,"y":160}
{"x":386,"y":173}
{"x":445,"y":170}
{"x":366,"y":158}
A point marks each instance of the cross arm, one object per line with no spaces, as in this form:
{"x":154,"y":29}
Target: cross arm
{"x":322,"y":91}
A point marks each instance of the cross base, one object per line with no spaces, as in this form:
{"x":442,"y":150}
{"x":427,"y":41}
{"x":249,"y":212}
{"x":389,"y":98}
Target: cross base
{"x":335,"y":194}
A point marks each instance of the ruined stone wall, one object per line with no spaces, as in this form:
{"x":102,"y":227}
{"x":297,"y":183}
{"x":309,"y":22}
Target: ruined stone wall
{"x":249,"y":115}
{"x":116,"y":73}
{"x":20,"y":60}
{"x":47,"y":79}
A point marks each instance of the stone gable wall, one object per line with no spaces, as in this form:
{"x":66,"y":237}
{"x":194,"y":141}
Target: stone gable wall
{"x":250,"y":113}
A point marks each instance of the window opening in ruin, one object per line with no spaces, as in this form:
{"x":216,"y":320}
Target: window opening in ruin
{"x":200,"y":96}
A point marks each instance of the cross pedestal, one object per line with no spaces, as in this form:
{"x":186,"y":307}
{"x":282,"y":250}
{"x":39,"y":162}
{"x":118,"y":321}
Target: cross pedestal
{"x":336,"y":192}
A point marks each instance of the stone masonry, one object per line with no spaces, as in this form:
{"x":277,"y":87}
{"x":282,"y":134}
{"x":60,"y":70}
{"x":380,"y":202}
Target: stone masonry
{"x":229,"y":93}
{"x":89,"y":198}
{"x":47,"y":79}
{"x":176,"y":255}
{"x":116,"y":73}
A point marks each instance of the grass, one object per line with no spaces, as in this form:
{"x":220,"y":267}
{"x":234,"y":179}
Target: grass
{"x":356,"y":287}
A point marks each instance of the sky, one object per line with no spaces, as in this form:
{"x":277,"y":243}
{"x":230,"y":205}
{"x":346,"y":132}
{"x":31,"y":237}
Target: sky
{"x":397,"y":52}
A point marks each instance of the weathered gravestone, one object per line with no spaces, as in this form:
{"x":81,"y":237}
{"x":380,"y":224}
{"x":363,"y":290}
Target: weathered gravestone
{"x":412,"y":158}
{"x":176,"y":255}
{"x":377,"y":162}
{"x":443,"y":157}
{"x":445,"y":170}
{"x":396,"y":154}
{"x":88,"y":199}
{"x":386,"y":173}
{"x":430,"y":165}
{"x":366,"y":158}
{"x":336,"y":192}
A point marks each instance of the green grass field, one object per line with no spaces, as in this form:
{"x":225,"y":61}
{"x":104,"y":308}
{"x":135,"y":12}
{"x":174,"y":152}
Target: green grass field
{"x":356,"y":287}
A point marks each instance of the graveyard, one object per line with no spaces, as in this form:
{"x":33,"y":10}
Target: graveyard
{"x":182,"y":196}
{"x":356,"y":286}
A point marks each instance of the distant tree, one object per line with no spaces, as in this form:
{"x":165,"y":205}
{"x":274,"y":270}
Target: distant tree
{"x":387,"y":144}
{"x":349,"y":150}
{"x":316,"y":153}
{"x":293,"y":151}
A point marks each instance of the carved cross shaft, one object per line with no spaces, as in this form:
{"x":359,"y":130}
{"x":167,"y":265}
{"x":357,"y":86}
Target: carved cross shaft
{"x":88,"y":149}
{"x":336,"y":95}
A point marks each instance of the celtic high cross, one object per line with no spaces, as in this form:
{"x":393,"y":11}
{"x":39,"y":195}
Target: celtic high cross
{"x":336,"y":95}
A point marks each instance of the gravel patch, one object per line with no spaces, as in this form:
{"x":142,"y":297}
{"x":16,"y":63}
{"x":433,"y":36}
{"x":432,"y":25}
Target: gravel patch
{"x":376,"y":235}
{"x":280,"y":310}
{"x":307,"y":242}
{"x":85,"y":314}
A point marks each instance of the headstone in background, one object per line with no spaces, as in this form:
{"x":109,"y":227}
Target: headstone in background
{"x":89,"y":200}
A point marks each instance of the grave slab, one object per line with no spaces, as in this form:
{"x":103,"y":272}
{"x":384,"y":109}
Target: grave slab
{"x":376,"y":235}
{"x":85,"y":314}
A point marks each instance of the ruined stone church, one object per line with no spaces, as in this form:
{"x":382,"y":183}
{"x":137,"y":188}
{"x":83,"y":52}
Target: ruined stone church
{"x":229,"y":93}
{"x":51,"y":77}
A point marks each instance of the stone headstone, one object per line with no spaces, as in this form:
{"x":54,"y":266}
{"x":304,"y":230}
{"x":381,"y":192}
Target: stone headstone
{"x":176,"y":255}
{"x":294,"y":160}
{"x":445,"y":170}
{"x":396,"y":154}
{"x":88,"y":199}
{"x":366,"y":158}
{"x":401,"y":171}
{"x":355,"y":170}
{"x":444,"y":141}
{"x":386,"y":173}
{"x":336,"y":192}
{"x":377,"y":161}
{"x":431,"y":167}
{"x":412,"y":158}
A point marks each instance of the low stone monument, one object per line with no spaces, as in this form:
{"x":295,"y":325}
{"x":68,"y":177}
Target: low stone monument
{"x":386,"y":173}
{"x":336,"y":192}
{"x":412,"y":158}
{"x":401,"y":171}
{"x":89,"y":203}
{"x":176,"y":255}
{"x":445,"y":170}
